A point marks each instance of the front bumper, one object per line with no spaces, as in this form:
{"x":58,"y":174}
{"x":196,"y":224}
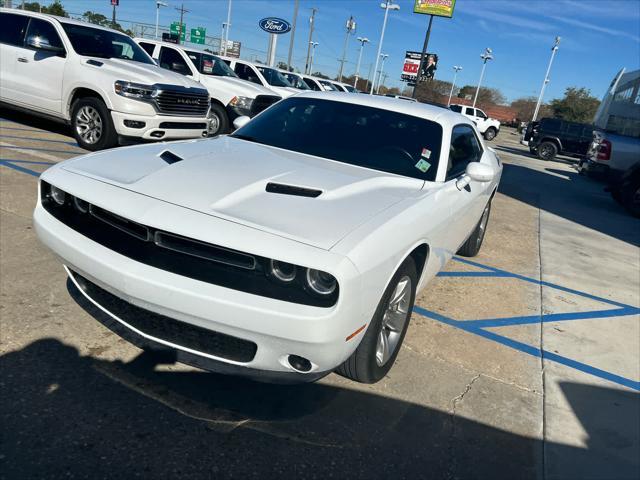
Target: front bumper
{"x":160,"y":127}
{"x":276,"y":327}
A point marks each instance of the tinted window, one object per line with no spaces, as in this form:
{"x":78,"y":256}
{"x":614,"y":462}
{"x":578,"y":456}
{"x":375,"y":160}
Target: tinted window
{"x":296,"y":81}
{"x":274,"y":77}
{"x":328,"y":85}
{"x":339,"y":87}
{"x":469,"y":111}
{"x":355,"y":134}
{"x":210,"y":64}
{"x":95,"y":42}
{"x":172,"y":60}
{"x":349,"y":88}
{"x":464,"y":149}
{"x":148,"y":47}
{"x":12,"y":28}
{"x":246,"y":73}
{"x":44,"y":31}
{"x":480,"y":113}
{"x":550,"y":124}
{"x":456,"y":108}
{"x":311,"y":84}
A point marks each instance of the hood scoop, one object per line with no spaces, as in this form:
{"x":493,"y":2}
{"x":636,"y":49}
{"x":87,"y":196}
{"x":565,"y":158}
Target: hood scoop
{"x":170,"y":157}
{"x":284,"y":189}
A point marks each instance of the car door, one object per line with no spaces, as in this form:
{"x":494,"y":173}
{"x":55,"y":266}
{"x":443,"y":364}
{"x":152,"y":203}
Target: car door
{"x":466,"y":204}
{"x":12,"y":30}
{"x":41,"y":71}
{"x":171,"y":59}
{"x":471,"y":114}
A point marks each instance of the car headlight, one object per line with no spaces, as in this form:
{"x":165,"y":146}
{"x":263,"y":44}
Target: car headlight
{"x":58,"y":196}
{"x":285,"y":272}
{"x":242,"y":104}
{"x":321,"y":282}
{"x":134,"y":90}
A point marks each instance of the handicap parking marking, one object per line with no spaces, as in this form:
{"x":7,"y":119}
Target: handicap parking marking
{"x":479,"y":326}
{"x":35,"y":139}
{"x":18,"y":168}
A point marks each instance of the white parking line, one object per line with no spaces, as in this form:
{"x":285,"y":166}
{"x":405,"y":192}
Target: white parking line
{"x":33,"y":153}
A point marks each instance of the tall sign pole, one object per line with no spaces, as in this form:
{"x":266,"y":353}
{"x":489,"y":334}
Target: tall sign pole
{"x":182,"y":11}
{"x":226,"y":29}
{"x":293,"y":33}
{"x":362,"y":41}
{"x":311,"y":26}
{"x":422,"y":55}
{"x":453,"y":84}
{"x":114,"y":4}
{"x":554,"y":49}
{"x":274,"y":26}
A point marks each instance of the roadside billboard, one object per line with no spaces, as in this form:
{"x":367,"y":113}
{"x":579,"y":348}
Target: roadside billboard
{"x":412,"y":63}
{"x":439,"y":8}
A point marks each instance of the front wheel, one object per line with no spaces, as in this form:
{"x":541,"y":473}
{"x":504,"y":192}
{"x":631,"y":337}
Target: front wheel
{"x":92,"y":124}
{"x":472,"y":246}
{"x":490,"y":133}
{"x":218,"y":121}
{"x":381,"y":343}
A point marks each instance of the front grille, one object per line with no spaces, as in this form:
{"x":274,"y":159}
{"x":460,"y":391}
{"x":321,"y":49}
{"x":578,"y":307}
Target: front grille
{"x":183,"y":126}
{"x":188,"y":102}
{"x":262,"y":102}
{"x":169,"y":329}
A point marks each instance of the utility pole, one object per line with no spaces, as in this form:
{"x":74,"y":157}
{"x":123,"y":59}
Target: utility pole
{"x":362,"y":41}
{"x":387,"y":5}
{"x":486,"y":56}
{"x":313,"y":51}
{"x":226,"y":29}
{"x":554,"y":49}
{"x":351,"y":28}
{"x":182,"y":11}
{"x":293,"y":33}
{"x":453,"y":84}
{"x":422,"y":55}
{"x":311,"y":26}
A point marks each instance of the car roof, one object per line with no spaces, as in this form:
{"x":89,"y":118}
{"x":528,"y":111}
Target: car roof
{"x":430,"y":112}
{"x":175,"y":45}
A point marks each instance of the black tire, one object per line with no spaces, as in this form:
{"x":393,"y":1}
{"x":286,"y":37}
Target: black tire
{"x":472,"y":246}
{"x":630,"y":196}
{"x":362,"y":366}
{"x":533,"y":151}
{"x":547,"y":151}
{"x":88,"y":113}
{"x":490,"y":133}
{"x":219,"y":121}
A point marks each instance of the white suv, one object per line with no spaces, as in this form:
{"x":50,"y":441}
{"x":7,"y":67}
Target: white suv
{"x":97,"y":79}
{"x":488,"y":127}
{"x":231,"y":97}
{"x":268,"y":77}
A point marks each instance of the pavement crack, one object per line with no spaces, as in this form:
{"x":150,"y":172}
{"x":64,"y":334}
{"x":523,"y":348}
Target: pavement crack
{"x":458,"y":399}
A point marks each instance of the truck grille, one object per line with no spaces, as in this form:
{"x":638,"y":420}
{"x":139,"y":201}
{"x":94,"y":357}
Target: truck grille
{"x":262,"y":102}
{"x":193,"y":102}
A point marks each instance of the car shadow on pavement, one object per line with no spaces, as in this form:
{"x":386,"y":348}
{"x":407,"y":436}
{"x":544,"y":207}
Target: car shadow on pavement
{"x":70,"y":415}
{"x":526,"y":153}
{"x":572,"y":196}
{"x":36,"y":122}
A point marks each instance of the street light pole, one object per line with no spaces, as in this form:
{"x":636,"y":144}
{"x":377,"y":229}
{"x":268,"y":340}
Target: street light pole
{"x":384,"y":57}
{"x":362,"y":41}
{"x":387,"y":5}
{"x":158,"y":5}
{"x":457,"y":69}
{"x":226,"y":29}
{"x":554,"y":49}
{"x":313,"y":46}
{"x":311,"y":26}
{"x":293,"y":33}
{"x":486,"y":56}
{"x":351,"y":27}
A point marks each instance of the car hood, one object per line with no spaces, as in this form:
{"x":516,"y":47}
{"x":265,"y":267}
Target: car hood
{"x":138,"y":72}
{"x":238,"y":86}
{"x":227,"y":178}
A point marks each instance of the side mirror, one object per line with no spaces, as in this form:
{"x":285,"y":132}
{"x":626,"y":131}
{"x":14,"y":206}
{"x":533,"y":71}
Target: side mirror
{"x":42,"y":43}
{"x":480,"y":172}
{"x":241,"y":121}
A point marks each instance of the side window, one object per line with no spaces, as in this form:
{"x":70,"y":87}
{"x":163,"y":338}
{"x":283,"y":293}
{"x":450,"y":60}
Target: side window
{"x":246,"y":73}
{"x":311,"y":84}
{"x":456,"y":108}
{"x":480,"y":113}
{"x":551,"y":124}
{"x":148,"y":47}
{"x":574,"y":129}
{"x":464,"y":150}
{"x":172,"y":60}
{"x":12,"y":28}
{"x":469,"y":111}
{"x":44,"y":31}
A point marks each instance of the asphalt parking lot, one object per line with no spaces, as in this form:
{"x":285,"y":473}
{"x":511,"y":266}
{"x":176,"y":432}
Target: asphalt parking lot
{"x":521,"y":363}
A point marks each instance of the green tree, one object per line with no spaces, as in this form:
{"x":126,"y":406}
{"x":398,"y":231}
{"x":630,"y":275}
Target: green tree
{"x":55,"y":8}
{"x":435,"y":91}
{"x":99,"y":19}
{"x":486,"y":96}
{"x":577,"y":105}
{"x":320,"y":75}
{"x":526,"y":106}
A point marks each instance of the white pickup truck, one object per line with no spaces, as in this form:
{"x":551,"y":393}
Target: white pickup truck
{"x":231,"y":97}
{"x":96,"y":79}
{"x":488,"y":127}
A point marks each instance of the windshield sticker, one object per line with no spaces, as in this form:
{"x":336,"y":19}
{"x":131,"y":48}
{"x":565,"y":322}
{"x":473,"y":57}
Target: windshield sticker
{"x":207,"y":66}
{"x":426,"y":153}
{"x":423,"y":165}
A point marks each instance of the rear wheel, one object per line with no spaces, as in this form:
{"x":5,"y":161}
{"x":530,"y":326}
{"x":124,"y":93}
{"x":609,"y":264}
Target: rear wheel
{"x":472,"y":246}
{"x":92,"y":124}
{"x":490,"y":134}
{"x":381,"y":343}
{"x":547,"y":151}
{"x":218,"y":121}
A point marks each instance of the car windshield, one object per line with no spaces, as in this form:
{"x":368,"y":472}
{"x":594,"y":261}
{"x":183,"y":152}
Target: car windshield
{"x":328,"y":85}
{"x":296,"y":81}
{"x":350,"y":88}
{"x":274,"y":77}
{"x":95,"y":42}
{"x":210,"y":64}
{"x":355,"y":134}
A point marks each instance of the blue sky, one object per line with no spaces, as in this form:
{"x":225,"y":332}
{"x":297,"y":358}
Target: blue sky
{"x":598,"y":37}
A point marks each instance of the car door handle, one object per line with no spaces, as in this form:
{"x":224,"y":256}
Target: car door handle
{"x":23,"y":60}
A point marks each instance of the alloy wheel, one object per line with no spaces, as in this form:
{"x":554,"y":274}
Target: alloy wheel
{"x":89,"y":124}
{"x":214,"y":124}
{"x":395,"y":316}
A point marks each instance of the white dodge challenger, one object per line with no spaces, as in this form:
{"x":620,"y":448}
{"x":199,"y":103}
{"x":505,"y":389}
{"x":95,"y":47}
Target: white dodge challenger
{"x":287,"y":250}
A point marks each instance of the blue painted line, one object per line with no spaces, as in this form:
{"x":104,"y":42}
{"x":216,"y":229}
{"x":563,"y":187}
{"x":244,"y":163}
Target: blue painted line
{"x":73,"y":144}
{"x":474,"y":274}
{"x":554,"y":317}
{"x":5,"y":163}
{"x":27,"y":161}
{"x":4,"y":127}
{"x":530,"y":350}
{"x":20,"y":147}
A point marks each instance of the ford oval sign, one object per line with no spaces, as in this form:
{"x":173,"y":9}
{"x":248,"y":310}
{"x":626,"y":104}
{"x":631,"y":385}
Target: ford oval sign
{"x":274,"y":25}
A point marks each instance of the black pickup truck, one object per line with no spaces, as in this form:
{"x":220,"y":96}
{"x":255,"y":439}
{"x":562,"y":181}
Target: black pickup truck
{"x":552,"y":136}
